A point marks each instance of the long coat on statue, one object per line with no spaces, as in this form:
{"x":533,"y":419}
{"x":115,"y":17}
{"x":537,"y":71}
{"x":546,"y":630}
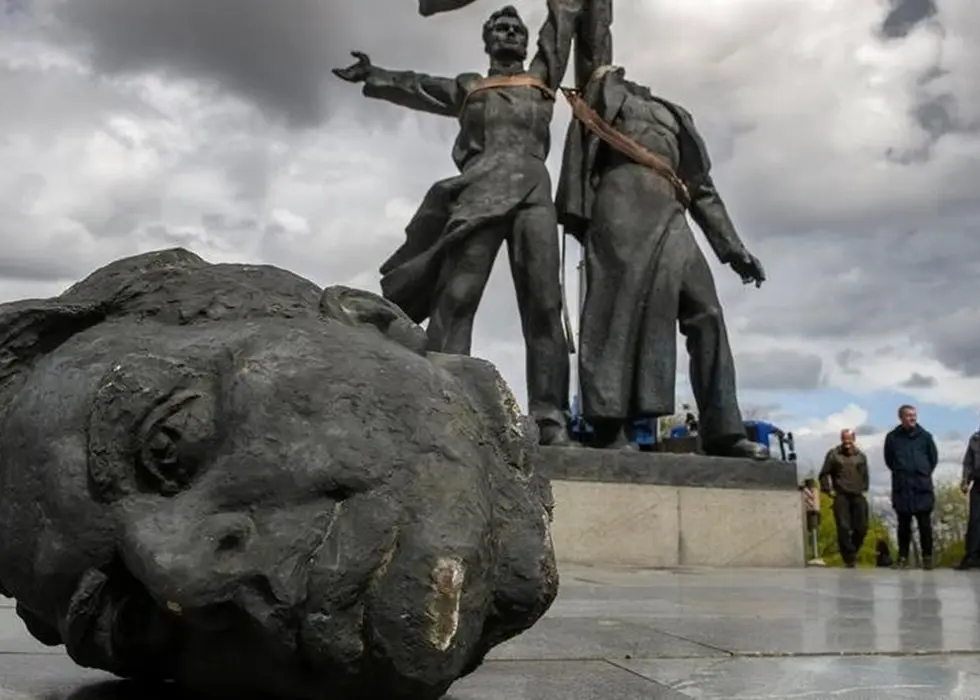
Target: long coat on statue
{"x":645,"y":271}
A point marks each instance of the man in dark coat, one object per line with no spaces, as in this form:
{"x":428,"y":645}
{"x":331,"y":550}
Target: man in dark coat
{"x":644,"y":270}
{"x":970,"y":484}
{"x":911,"y":456}
{"x":503,"y":193}
{"x":845,"y":477}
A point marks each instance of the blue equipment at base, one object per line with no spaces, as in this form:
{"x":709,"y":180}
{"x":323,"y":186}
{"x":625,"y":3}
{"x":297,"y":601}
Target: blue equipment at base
{"x":762,"y":432}
{"x":645,"y":433}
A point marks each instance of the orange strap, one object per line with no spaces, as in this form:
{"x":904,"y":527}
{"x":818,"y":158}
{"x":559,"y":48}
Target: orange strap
{"x":624,"y":144}
{"x":502,"y":81}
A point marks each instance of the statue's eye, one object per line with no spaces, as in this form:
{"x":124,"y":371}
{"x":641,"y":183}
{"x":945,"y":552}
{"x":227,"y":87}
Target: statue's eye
{"x":170,"y":441}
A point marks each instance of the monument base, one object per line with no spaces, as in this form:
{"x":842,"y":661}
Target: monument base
{"x":661,"y":510}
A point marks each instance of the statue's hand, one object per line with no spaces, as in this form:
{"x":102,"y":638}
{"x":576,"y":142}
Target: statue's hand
{"x":357,"y":72}
{"x":748,"y":267}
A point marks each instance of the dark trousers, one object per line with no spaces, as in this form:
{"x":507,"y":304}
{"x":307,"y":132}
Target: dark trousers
{"x":924,"y":522}
{"x":711,"y":368}
{"x":532,"y":246}
{"x":851,"y":519}
{"x":627,"y":364}
{"x":973,"y":528}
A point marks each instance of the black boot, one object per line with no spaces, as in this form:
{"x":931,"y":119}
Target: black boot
{"x":612,"y":435}
{"x":554,"y":435}
{"x":738,"y":447}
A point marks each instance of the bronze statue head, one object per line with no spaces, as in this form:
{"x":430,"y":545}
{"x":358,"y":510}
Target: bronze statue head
{"x":505,"y":36}
{"x":225,"y":476}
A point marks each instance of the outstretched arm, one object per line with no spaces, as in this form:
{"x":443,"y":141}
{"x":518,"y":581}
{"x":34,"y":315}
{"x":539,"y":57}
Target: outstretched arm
{"x":593,"y":40}
{"x":555,"y":39}
{"x":418,"y":91}
{"x":706,"y":206}
{"x":711,"y":215}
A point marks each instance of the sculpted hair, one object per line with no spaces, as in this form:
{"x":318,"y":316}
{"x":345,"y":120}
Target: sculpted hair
{"x":506,"y":11}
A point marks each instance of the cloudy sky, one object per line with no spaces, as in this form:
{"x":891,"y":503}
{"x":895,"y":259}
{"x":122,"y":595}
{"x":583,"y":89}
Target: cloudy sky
{"x":846,"y":137}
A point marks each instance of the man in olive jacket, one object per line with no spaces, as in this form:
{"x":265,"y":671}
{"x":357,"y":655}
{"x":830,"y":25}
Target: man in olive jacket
{"x":845,"y":477}
{"x":911,"y":456}
{"x":970,"y":483}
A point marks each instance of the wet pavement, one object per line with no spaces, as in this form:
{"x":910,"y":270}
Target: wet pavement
{"x":649,"y":635}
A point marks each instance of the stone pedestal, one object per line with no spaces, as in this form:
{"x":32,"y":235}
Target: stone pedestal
{"x":670,"y":510}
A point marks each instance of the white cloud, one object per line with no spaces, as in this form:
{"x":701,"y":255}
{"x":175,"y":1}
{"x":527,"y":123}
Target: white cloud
{"x":801,"y":103}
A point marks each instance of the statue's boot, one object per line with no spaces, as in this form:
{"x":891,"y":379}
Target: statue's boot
{"x":740,"y":447}
{"x":612,"y":435}
{"x":555,"y":435}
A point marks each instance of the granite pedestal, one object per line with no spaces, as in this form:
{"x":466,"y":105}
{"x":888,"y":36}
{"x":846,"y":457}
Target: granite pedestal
{"x":650,"y":509}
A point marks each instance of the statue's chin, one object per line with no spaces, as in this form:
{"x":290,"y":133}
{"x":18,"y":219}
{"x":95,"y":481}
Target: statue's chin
{"x":507,"y":54}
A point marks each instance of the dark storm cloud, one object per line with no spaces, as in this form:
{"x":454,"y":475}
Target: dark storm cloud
{"x":271,"y":52}
{"x":779,"y":370}
{"x":955,"y":338}
{"x":919,"y":381}
{"x":914,"y":278}
{"x":905,"y":15}
{"x":276,"y":53}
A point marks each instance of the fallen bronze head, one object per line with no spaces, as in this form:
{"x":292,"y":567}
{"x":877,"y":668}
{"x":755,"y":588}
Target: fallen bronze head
{"x":223,"y":476}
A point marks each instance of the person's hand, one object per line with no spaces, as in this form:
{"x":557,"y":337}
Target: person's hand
{"x":356,"y":72}
{"x":748,"y":267}
{"x":965,"y":487}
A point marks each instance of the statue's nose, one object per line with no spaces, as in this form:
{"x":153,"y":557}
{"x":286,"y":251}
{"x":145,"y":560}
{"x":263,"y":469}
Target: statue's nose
{"x":228,"y":532}
{"x":191,"y":561}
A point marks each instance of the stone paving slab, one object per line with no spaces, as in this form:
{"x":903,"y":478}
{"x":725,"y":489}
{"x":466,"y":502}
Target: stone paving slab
{"x":670,"y":635}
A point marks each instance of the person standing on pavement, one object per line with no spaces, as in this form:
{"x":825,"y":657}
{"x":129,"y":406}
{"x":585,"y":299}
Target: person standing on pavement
{"x":845,"y":477}
{"x":968,"y":484}
{"x":911,"y":456}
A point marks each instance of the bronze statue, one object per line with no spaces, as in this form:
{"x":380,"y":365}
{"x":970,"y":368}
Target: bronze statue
{"x":503,"y":193}
{"x":634,"y":163}
{"x":226,"y":477}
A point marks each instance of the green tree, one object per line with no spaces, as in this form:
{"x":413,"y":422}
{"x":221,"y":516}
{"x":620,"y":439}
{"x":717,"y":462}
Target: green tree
{"x":827,"y":536}
{"x":949,"y":523}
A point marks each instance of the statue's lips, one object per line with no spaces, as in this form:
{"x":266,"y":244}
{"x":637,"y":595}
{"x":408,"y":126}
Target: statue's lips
{"x":113,"y":622}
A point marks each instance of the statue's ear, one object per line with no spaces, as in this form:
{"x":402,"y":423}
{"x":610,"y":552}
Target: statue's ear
{"x":357,"y":307}
{"x":31,"y":329}
{"x":515,"y":434}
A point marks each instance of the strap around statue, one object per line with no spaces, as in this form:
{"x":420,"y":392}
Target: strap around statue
{"x":621,"y":142}
{"x":495,"y":82}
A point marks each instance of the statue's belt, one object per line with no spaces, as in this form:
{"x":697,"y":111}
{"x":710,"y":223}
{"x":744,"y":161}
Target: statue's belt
{"x":594,"y":123}
{"x":624,"y":144}
{"x":502,"y":81}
